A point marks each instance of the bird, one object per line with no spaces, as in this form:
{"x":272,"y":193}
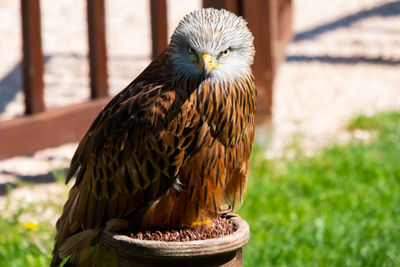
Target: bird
{"x":171,"y":148}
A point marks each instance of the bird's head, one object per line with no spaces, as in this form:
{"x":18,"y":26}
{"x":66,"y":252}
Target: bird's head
{"x":212,"y":44}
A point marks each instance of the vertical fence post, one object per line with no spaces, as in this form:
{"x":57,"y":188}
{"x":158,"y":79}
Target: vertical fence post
{"x":262,"y":18}
{"x":285,"y":19}
{"x":159,"y":29}
{"x":233,"y":6}
{"x":33,"y":57}
{"x":97,"y":48}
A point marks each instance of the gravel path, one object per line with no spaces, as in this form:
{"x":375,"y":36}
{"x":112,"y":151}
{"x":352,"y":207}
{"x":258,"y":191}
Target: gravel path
{"x":344,"y":61}
{"x":349,"y":65}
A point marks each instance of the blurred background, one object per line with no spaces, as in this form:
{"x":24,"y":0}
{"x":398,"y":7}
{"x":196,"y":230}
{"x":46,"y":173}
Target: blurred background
{"x":324,"y":185}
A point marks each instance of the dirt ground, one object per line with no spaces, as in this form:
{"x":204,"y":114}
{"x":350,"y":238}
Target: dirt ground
{"x":344,"y":60}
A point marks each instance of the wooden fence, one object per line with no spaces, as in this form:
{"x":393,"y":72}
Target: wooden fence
{"x":269,"y":20}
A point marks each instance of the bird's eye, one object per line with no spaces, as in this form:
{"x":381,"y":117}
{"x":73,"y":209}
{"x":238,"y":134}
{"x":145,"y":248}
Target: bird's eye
{"x":191,"y":50}
{"x":226,"y":52}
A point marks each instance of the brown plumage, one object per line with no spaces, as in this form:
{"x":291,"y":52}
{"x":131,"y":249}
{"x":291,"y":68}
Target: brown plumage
{"x":167,"y":151}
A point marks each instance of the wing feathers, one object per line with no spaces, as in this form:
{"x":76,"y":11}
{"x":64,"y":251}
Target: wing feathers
{"x":138,"y":145}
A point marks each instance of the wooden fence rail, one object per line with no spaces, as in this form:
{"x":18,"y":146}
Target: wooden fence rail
{"x":270,"y":22}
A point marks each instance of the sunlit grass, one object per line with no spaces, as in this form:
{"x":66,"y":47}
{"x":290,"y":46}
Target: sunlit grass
{"x":26,"y":237}
{"x":25,"y":243}
{"x":338,"y":208}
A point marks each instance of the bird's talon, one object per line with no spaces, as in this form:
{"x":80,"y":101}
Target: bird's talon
{"x":202,"y":223}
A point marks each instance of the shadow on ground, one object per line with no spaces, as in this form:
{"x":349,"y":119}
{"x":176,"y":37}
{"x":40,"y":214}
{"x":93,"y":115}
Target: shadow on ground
{"x":30,"y":179}
{"x":342,"y":60}
{"x":385,"y":10}
{"x":11,"y":84}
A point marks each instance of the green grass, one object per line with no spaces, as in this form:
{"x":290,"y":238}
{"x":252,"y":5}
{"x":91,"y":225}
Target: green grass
{"x":22,"y":247}
{"x":338,"y":208}
{"x":19,"y":245}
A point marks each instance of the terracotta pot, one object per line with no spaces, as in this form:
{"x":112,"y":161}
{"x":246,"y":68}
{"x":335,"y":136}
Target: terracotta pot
{"x":121,"y":250}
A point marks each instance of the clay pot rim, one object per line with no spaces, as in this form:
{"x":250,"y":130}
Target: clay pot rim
{"x":212,"y":246}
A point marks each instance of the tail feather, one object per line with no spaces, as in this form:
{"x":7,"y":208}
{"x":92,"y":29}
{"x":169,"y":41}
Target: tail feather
{"x":79,"y":247}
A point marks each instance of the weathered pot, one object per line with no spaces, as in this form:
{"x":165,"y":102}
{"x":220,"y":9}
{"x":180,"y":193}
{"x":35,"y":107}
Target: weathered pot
{"x":121,"y":250}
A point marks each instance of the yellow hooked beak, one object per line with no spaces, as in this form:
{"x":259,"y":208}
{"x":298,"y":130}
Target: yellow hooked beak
{"x":207,"y":64}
